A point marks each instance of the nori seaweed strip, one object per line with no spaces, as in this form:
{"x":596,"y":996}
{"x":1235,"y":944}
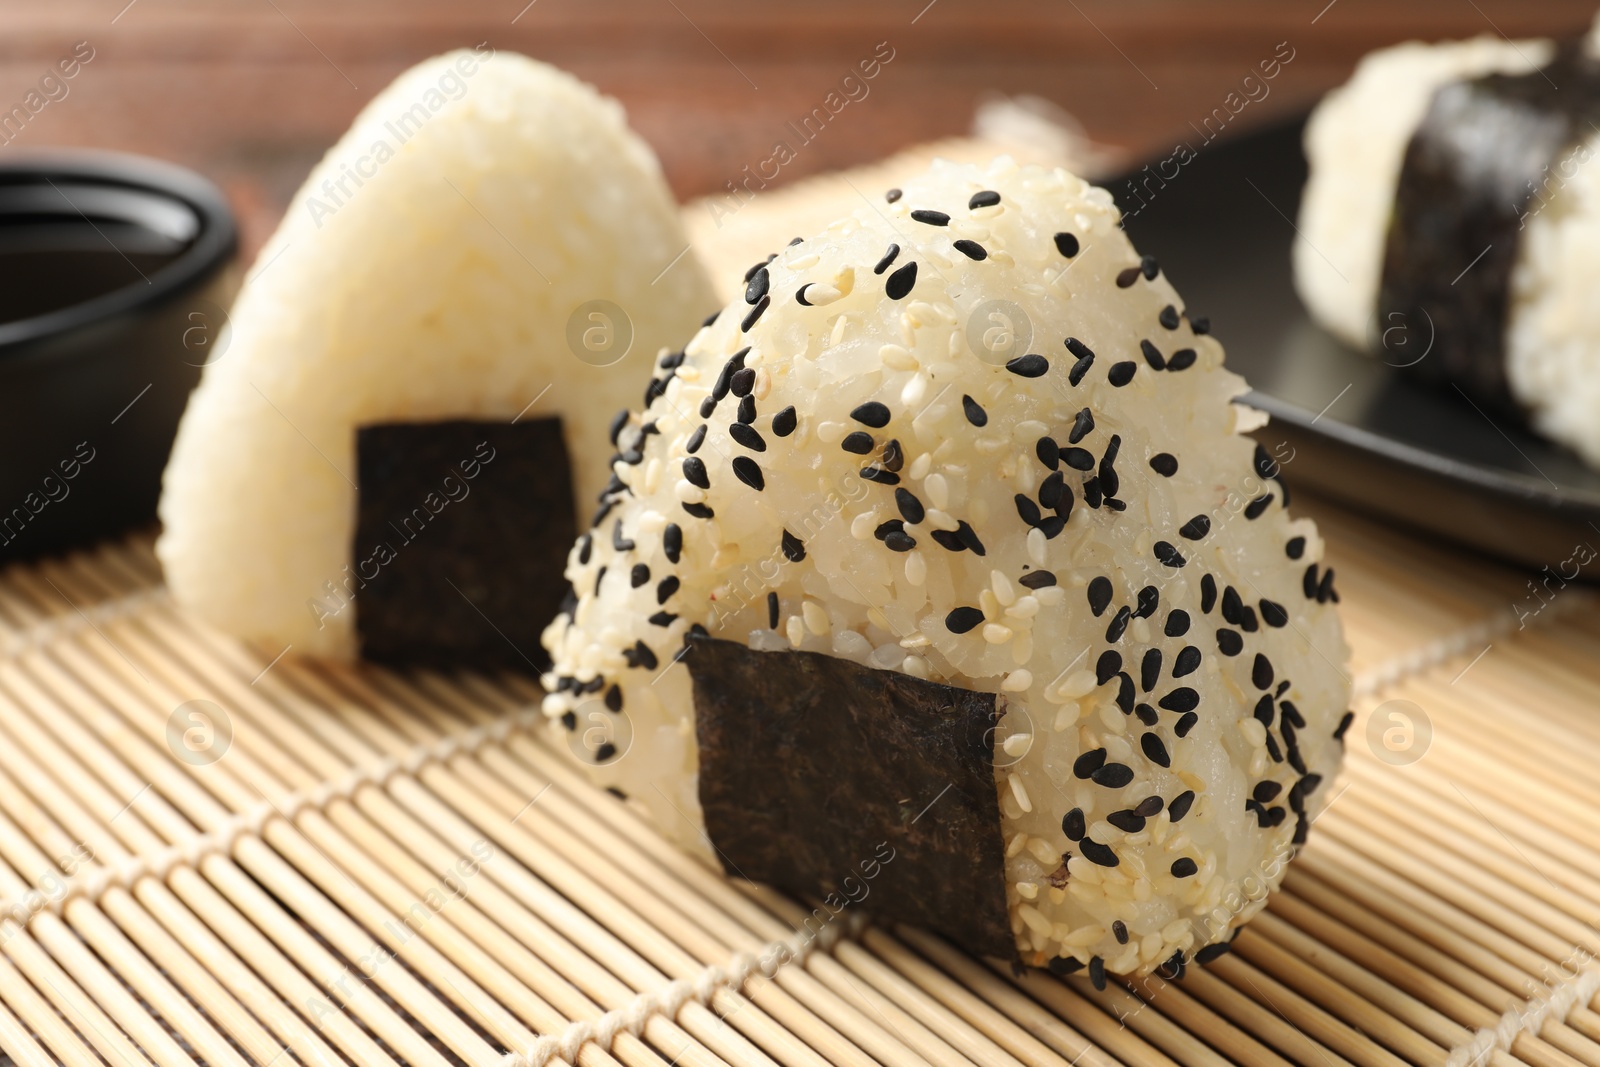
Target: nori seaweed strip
{"x":1470,"y":171}
{"x":812,"y":768}
{"x":474,"y":520}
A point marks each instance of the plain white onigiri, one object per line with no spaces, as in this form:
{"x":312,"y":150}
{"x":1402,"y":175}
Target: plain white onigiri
{"x":426,"y":270}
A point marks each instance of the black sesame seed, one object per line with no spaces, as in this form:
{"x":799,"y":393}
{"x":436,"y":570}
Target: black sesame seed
{"x":900,"y":541}
{"x":872,"y":413}
{"x":1099,"y":595}
{"x":747,"y":409}
{"x":618,"y":542}
{"x":1028,"y":510}
{"x":1048,"y":451}
{"x":743,"y":380}
{"x":1291,"y":714}
{"x":614,"y":698}
{"x":1067,"y":244}
{"x":755,"y":313}
{"x":892,"y":195}
{"x":948,"y":540}
{"x":794,"y":550}
{"x":711,"y":318}
{"x":1152,"y":355}
{"x":1147,"y":264}
{"x":1186,"y":662}
{"x":1229,"y":643}
{"x":586,"y":548}
{"x":1119,"y":624}
{"x":911,"y":508}
{"x":1125,"y":693}
{"x":1029,"y":366}
{"x":1264,"y":710}
{"x":1147,"y":715}
{"x":1113,"y":776}
{"x":644,"y":657}
{"x":1119,"y":930}
{"x":1325,"y":588}
{"x":663,"y":618}
{"x":665,"y":588}
{"x":1082,"y":426}
{"x":1062,"y":966}
{"x":1208,"y":594}
{"x":1150,"y":669}
{"x":1164,"y":464}
{"x":1232,"y":606}
{"x":1182,"y":359}
{"x":784,"y":422}
{"x":1121,"y":374}
{"x":886,"y":528}
{"x":1037,"y":580}
{"x":601,"y":512}
{"x":932,"y":218}
{"x":1177,"y":623}
{"x":1273,"y":614}
{"x":1180,"y":805}
{"x":800,"y":295}
{"x":696,"y":439}
{"x":963,"y":620}
{"x":748,"y":471}
{"x":1052,"y":491}
{"x":1169,"y":317}
{"x":699,"y":511}
{"x":879,"y":475}
{"x":987,"y":198}
{"x":1089,"y":762}
{"x":893,"y":458}
{"x":888,"y":258}
{"x":1295,"y":547}
{"x":1149,"y":601}
{"x":618,"y":421}
{"x":1080,"y":368}
{"x":1261,"y":672}
{"x":1107,"y":666}
{"x":1266,"y":792}
{"x":972,"y":249}
{"x":969,"y":537}
{"x":857,"y":442}
{"x":900,"y":283}
{"x":707,"y":406}
{"x":1052,"y":527}
{"x":1254,"y":509}
{"x":694,"y":470}
{"x":759,"y":281}
{"x":974,"y":412}
{"x":672,"y":541}
{"x":1186,"y":722}
{"x":639,"y":575}
{"x":1196,"y":528}
{"x":1101,"y":856}
{"x":1180,"y":700}
{"x":1155,"y":750}
{"x":1073,"y":824}
{"x":1079,"y":459}
{"x":748,"y":436}
{"x":1167,"y":555}
{"x":1308,"y":583}
{"x":1127,"y":277}
{"x":772,"y":611}
{"x":1184,"y":867}
{"x":1126,"y":821}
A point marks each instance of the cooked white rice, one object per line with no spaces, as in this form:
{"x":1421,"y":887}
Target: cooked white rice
{"x":491,"y":196}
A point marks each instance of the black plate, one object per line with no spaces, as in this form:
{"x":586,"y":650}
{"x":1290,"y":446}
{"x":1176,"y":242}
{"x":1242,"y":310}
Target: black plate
{"x":1361,"y":431}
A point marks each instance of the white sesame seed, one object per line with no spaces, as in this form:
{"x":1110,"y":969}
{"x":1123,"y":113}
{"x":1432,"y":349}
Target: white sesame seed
{"x":1026,"y":607}
{"x":915,"y":666}
{"x":1052,"y":596}
{"x":795,"y":631}
{"x":816,"y":618}
{"x":862,"y":525}
{"x":1254,"y":732}
{"x":1066,"y":715}
{"x":916,"y":568}
{"x":1027,"y":890}
{"x":989,"y":603}
{"x":938,"y":491}
{"x":1035,"y":920}
{"x":914,"y":390}
{"x":688,"y":492}
{"x":897,"y":358}
{"x":919,"y":467}
{"x":1003,"y":591}
{"x":996,"y":634}
{"x":1014,"y":846}
{"x":1017,"y":681}
{"x":1037,"y":543}
{"x":1044,"y":852}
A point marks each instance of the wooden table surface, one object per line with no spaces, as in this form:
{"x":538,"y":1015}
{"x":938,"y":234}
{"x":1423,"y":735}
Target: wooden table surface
{"x":251,"y":92}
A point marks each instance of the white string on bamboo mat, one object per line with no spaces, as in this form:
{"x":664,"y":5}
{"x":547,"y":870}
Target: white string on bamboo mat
{"x":670,"y":1000}
{"x":42,"y":633}
{"x":1557,"y":1002}
{"x":1426,"y":657}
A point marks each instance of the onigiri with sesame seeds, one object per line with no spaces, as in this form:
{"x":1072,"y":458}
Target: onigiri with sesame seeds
{"x":969,"y":436}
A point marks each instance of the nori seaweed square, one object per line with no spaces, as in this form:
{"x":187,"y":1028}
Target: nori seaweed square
{"x":462,"y":533}
{"x":812,"y":767}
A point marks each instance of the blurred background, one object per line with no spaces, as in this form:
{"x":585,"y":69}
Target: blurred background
{"x":251,"y":92}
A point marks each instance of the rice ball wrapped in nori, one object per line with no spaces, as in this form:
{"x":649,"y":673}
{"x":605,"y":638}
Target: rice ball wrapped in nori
{"x":1449,"y":223}
{"x":430,"y":269}
{"x":851,"y":461}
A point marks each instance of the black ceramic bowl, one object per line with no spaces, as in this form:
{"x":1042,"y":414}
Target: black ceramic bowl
{"x":113,"y":289}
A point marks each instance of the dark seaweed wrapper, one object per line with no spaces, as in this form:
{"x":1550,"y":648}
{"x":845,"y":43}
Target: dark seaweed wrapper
{"x":461,"y":557}
{"x":813,"y":769}
{"x":1487,"y":153}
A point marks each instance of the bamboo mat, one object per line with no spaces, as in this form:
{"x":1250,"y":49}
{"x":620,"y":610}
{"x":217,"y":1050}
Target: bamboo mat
{"x":377,"y":869}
